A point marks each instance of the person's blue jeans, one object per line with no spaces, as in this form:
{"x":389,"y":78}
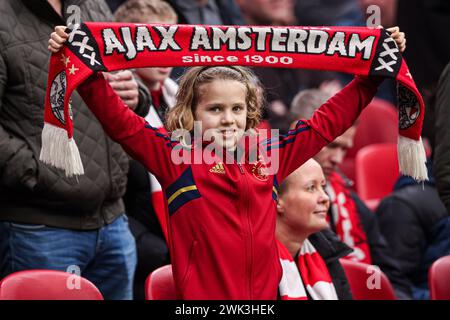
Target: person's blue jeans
{"x":106,"y":257}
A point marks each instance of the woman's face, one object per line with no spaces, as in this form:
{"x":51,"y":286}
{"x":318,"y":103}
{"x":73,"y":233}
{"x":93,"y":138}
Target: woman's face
{"x":222,"y":110}
{"x":304,"y":204}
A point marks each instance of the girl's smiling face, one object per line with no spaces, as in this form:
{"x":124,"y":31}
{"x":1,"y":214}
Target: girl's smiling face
{"x":222,"y":110}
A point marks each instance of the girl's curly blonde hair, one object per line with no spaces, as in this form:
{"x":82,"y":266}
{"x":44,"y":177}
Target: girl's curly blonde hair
{"x":181,"y":116}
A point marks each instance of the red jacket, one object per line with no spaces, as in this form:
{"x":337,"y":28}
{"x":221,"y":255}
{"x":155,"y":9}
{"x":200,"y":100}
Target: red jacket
{"x":222,"y":218}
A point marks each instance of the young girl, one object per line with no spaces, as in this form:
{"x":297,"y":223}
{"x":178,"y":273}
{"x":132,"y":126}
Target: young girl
{"x":222,"y":216}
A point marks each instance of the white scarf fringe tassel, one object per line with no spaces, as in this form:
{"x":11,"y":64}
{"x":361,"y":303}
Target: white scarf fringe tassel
{"x":412,"y":158}
{"x":60,"y":151}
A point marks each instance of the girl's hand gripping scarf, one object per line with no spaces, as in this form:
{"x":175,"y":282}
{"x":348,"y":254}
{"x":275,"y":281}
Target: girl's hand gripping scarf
{"x":94,"y":47}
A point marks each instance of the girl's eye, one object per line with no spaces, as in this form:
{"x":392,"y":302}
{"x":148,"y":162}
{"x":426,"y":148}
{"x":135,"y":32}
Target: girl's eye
{"x":311,"y":188}
{"x":214,"y":109}
{"x":237,"y":108}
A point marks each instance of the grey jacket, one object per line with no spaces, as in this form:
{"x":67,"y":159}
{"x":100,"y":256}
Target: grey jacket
{"x":30,"y":191}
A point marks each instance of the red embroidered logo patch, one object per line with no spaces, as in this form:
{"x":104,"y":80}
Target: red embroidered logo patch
{"x":259,"y":171}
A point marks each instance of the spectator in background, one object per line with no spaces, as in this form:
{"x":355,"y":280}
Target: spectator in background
{"x":114,"y":4}
{"x":49,"y":221}
{"x":157,"y":81}
{"x":307,"y":247}
{"x":430,"y":51}
{"x":388,"y":10}
{"x":144,"y":200}
{"x":416,"y":225}
{"x":329,"y":13}
{"x":280,"y":84}
{"x":349,"y":217}
{"x":442,"y":145}
{"x":211,"y":12}
{"x":283,"y":84}
{"x":220,"y":12}
{"x":344,"y":13}
{"x":268,"y":12}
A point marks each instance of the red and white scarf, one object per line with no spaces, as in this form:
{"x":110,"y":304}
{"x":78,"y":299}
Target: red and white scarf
{"x":94,"y":47}
{"x":346,"y":220}
{"x":308,"y":274}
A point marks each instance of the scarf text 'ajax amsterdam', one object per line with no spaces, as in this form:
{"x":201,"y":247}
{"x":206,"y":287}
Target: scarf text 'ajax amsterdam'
{"x":94,"y":47}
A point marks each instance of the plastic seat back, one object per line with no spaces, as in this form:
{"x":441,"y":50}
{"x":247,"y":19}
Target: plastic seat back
{"x":47,"y":285}
{"x":370,"y":131}
{"x":439,"y":279}
{"x":376,"y":172}
{"x":160,"y":284}
{"x":367,"y":282}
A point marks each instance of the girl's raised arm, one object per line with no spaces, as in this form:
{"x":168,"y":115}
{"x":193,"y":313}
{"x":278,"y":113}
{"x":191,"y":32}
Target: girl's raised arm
{"x":330,"y":121}
{"x":150,"y":146}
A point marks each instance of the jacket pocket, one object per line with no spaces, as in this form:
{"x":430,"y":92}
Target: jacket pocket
{"x":189,"y":268}
{"x":20,"y":172}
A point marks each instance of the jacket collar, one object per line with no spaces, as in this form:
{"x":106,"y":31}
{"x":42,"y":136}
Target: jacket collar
{"x":329,"y":246}
{"x":405,"y":181}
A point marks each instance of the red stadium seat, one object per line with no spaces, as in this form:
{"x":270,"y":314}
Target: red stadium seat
{"x":439,"y":279}
{"x":376,"y":172}
{"x":160,"y":285}
{"x":367,"y":283}
{"x":378,"y":123}
{"x":47,"y":285}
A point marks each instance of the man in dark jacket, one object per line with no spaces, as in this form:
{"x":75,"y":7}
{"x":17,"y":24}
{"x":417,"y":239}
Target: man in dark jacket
{"x":349,"y":217}
{"x":441,"y":151}
{"x":378,"y":249}
{"x":416,"y":225}
{"x":49,"y":221}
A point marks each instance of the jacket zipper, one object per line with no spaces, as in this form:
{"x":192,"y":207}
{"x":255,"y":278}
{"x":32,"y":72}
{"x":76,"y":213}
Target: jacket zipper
{"x":250,"y":234}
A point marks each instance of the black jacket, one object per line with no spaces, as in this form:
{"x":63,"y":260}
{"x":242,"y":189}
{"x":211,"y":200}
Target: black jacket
{"x":380,"y":252}
{"x":379,"y":249}
{"x":416,"y":225}
{"x":30,"y":191}
{"x":427,"y":52}
{"x":441,"y":164}
{"x":331,"y":249}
